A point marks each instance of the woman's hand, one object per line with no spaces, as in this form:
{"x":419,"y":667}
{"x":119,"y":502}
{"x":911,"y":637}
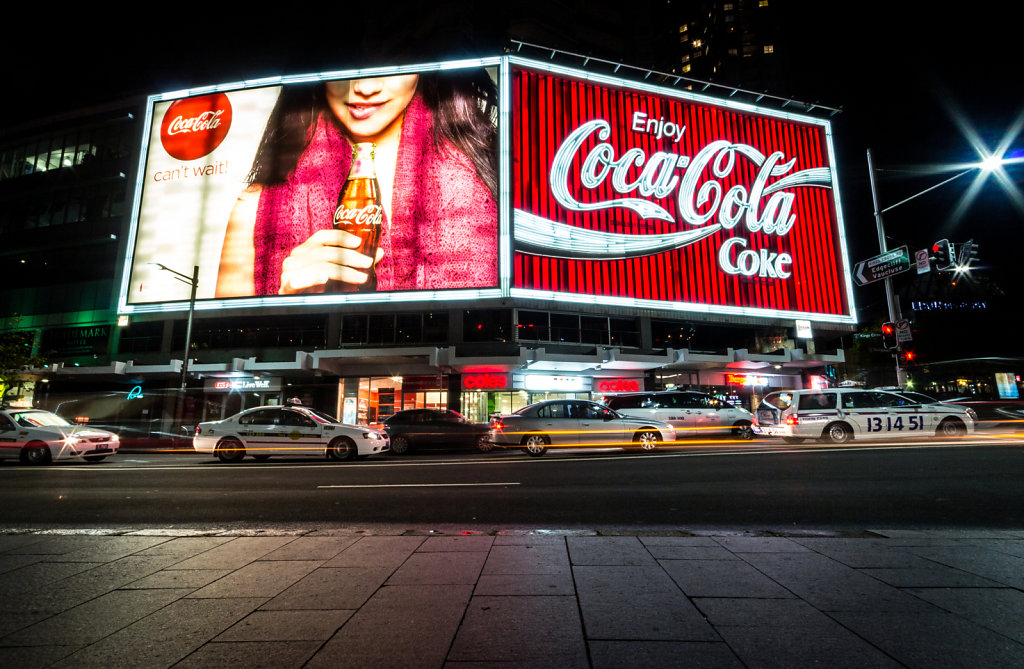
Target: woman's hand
{"x":327,"y":254}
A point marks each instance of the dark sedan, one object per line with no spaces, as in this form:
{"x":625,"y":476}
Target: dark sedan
{"x":430,"y":429}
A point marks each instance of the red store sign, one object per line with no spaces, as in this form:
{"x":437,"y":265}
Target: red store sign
{"x":618,"y":385}
{"x":487,"y":382}
{"x":649,"y":197}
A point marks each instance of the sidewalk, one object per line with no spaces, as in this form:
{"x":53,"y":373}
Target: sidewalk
{"x":334,"y":598}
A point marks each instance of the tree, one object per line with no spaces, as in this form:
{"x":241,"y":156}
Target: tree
{"x":16,"y":357}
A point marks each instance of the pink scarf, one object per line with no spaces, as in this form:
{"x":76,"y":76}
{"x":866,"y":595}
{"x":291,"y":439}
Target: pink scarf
{"x":443,"y":231}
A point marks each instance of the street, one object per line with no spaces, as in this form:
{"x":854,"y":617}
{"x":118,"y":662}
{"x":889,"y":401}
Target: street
{"x":974,"y":482}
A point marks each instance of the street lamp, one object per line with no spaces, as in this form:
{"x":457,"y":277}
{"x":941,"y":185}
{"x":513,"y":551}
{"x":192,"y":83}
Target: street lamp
{"x":192,"y":281}
{"x":989,"y":163}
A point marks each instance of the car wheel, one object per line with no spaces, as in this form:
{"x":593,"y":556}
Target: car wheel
{"x":837,"y":433}
{"x":261,"y":458}
{"x":93,"y":459}
{"x":536,"y":445}
{"x":484,"y":444}
{"x":341,"y":449}
{"x":952,"y":428}
{"x":793,"y":440}
{"x":743,"y":430}
{"x":399,"y":445}
{"x":36,"y":454}
{"x":646,"y":440}
{"x":230,"y":450}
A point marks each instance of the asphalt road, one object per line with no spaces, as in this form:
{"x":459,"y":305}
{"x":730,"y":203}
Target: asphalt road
{"x":757,"y":485}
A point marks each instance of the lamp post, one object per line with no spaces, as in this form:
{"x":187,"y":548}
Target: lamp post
{"x":192,"y":281}
{"x":988,"y":164}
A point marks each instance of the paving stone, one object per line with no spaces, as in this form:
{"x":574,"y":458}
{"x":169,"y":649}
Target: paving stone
{"x":550,"y":559}
{"x":12,"y":562}
{"x":107,"y":549}
{"x":934,"y":576}
{"x":669,"y":552}
{"x":829,"y":585}
{"x":998,"y":609}
{"x":753,"y":612}
{"x":525,"y":631}
{"x":18,"y":583}
{"x":761,"y":545}
{"x":252,"y":655}
{"x":234,"y":554}
{"x":258,"y":579}
{"x":318,"y":625}
{"x":637,"y":603}
{"x":164,"y":637}
{"x":995,"y":565}
{"x":667,"y":654}
{"x":529,"y":539}
{"x":525,"y":584}
{"x":933,"y":638}
{"x":678,"y":541}
{"x":461,"y":543}
{"x":95,"y":619}
{"x":439,"y":569}
{"x":722,"y":578}
{"x":324,"y":588}
{"x":608,"y":551}
{"x":192,"y":579}
{"x":10,"y":542}
{"x":34,"y":657}
{"x":766,"y":646}
{"x":311,"y":548}
{"x":386,"y":551}
{"x":401,"y":626}
{"x":186,"y":547}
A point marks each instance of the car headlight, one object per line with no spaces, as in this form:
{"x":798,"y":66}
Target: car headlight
{"x":972,"y":414}
{"x":71,"y":441}
{"x":371,"y":435}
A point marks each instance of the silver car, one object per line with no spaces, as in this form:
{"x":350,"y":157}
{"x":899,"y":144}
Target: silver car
{"x":690,"y":412}
{"x":576,"y":424}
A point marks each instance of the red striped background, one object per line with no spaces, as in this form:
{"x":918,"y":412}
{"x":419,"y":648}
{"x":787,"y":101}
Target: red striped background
{"x":546,"y":108}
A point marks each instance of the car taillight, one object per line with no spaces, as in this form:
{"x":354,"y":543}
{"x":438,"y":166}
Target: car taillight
{"x":198,"y":430}
{"x":496,"y":425}
{"x":792,"y":420}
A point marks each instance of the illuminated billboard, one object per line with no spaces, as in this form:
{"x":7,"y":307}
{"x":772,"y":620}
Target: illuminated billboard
{"x":353,"y":186}
{"x":636,"y":195}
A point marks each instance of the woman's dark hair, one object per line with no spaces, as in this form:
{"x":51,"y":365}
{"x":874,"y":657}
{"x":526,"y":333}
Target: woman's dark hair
{"x":463,"y":105}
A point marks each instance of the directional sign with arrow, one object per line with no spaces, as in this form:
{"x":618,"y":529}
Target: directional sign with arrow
{"x":882,"y":266}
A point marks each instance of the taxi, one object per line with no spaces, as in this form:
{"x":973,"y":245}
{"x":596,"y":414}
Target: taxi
{"x":286,"y":430}
{"x":839,"y":415}
{"x":38,"y":437}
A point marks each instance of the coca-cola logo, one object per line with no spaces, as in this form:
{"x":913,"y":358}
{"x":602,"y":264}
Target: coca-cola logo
{"x":194,"y":127}
{"x":371,"y":214}
{"x":697,"y":184}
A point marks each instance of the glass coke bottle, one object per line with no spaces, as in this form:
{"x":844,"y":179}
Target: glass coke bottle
{"x":359,"y":213}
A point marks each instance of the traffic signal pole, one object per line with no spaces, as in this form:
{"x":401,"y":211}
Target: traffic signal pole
{"x":890,"y":297}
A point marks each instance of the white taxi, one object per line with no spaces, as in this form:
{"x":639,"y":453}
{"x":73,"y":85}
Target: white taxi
{"x":38,"y":437}
{"x":286,"y":430}
{"x":839,"y":415}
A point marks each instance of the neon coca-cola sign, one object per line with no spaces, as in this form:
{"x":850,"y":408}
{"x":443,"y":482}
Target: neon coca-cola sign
{"x":627,"y":191}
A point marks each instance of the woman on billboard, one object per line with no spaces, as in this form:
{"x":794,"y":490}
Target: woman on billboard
{"x":430,"y":142}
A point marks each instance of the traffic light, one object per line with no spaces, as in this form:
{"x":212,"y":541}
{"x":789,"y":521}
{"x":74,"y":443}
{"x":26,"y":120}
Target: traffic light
{"x":968,"y":254}
{"x":942,"y":250}
{"x":889,"y":336}
{"x":906,"y":358}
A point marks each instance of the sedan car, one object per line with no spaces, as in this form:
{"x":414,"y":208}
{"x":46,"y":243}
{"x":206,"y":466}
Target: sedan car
{"x":690,"y":412}
{"x":576,"y":424}
{"x":839,"y":415}
{"x":38,"y":437}
{"x":430,"y":429}
{"x":286,"y":430}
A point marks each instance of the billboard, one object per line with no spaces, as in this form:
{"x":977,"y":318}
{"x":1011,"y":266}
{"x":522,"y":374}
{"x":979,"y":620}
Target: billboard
{"x":637,"y":195}
{"x":251,"y":183}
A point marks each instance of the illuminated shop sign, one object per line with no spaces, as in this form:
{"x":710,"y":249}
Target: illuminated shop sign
{"x":618,"y":385}
{"x":747,"y":379}
{"x":644,"y":196}
{"x":223,"y":184}
{"x":487,"y":382}
{"x":546,"y":382}
{"x":238,"y":385}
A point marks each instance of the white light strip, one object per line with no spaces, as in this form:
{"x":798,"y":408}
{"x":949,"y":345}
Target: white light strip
{"x":635,"y":303}
{"x":504,"y":177}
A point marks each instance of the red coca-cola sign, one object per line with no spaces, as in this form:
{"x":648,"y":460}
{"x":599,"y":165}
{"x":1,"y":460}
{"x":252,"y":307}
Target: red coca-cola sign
{"x":658,"y":196}
{"x":491,"y":381}
{"x":194,"y":127}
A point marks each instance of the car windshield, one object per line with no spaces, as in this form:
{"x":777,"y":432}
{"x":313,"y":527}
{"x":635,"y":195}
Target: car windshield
{"x":919,"y":398}
{"x":321,"y":416}
{"x":38,"y":419}
{"x":779,"y":400}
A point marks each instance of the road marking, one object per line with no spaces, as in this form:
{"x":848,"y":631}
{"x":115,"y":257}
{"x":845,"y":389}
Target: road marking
{"x":417,"y":485}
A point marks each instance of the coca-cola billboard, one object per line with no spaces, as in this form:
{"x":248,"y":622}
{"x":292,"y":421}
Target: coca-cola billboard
{"x":649,"y":197}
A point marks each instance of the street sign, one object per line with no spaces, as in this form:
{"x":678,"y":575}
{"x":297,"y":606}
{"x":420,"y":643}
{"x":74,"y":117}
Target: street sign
{"x":882,"y":266}
{"x":903,"y":333}
{"x":924,"y":265}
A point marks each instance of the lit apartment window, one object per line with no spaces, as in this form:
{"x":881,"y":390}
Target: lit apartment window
{"x":769,"y":48}
{"x":683,"y":28}
{"x":762,"y":3}
{"x":728,"y":7}
{"x":698,"y":43}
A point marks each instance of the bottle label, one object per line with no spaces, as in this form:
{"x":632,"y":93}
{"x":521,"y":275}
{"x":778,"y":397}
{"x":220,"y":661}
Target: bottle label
{"x":366,"y":216}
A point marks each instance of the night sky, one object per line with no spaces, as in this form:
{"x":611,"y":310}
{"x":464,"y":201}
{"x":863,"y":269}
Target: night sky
{"x":902,"y":77}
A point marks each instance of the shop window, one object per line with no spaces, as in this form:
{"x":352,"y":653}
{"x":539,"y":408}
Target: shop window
{"x":532,"y":326}
{"x":594,"y":330}
{"x":624,"y":332}
{"x":486,"y":325}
